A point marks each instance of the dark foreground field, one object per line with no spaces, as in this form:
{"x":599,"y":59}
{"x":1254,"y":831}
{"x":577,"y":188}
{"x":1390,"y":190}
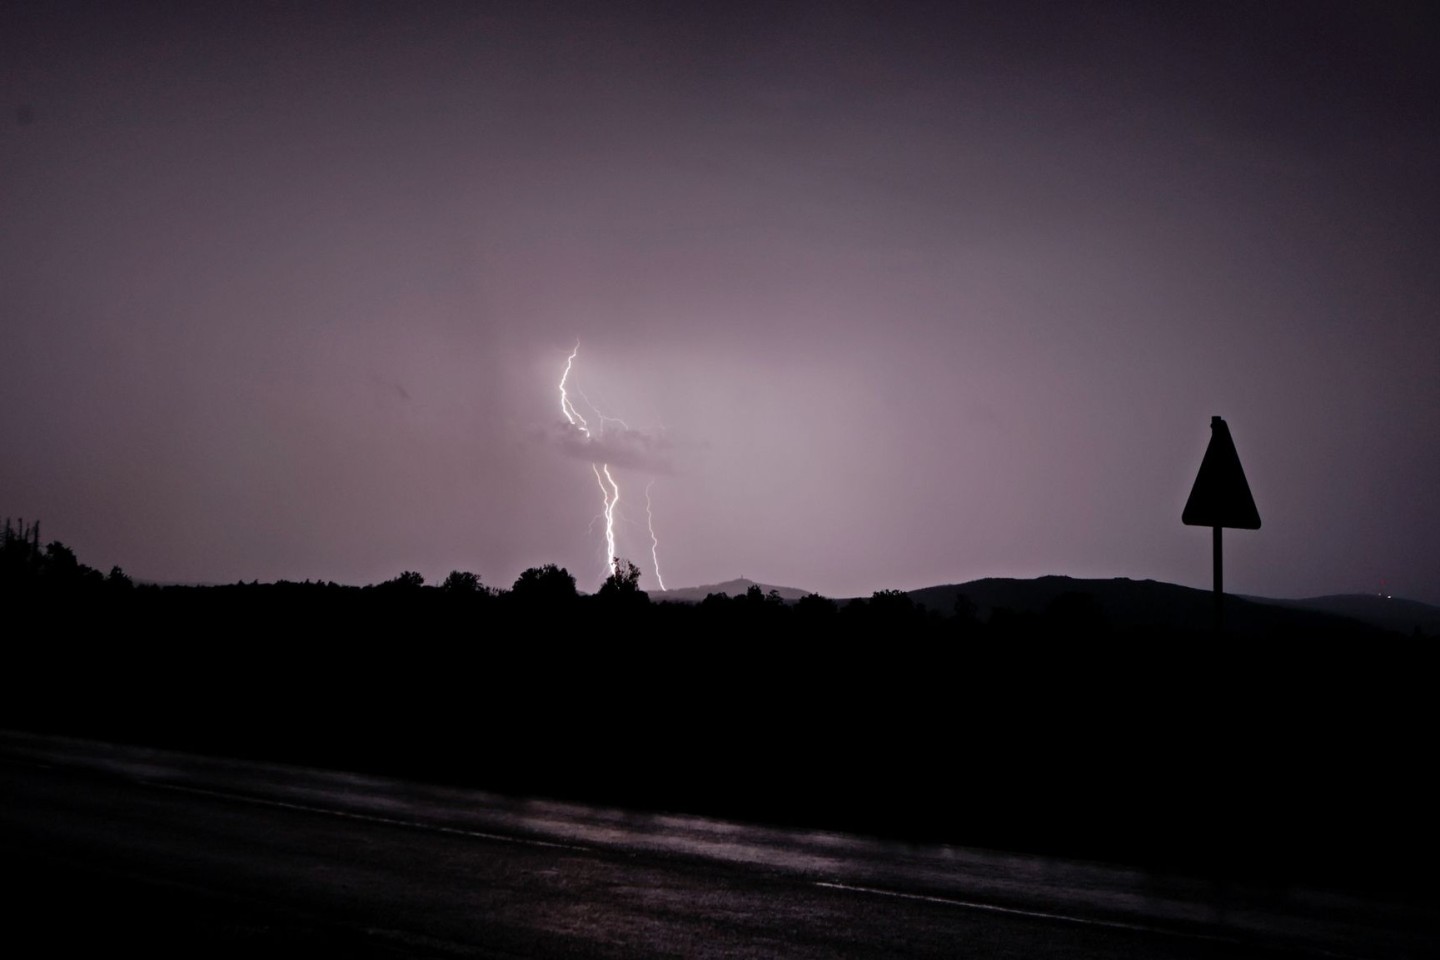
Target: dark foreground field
{"x":1280,"y":761}
{"x":123,"y":848}
{"x":1288,"y":759}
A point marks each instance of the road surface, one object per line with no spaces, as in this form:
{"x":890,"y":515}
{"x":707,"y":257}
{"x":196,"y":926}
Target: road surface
{"x":109,"y":847}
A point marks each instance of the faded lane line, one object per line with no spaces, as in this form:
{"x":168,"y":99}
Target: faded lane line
{"x":369,"y":817}
{"x":1065,"y":917}
{"x":1038,"y":914}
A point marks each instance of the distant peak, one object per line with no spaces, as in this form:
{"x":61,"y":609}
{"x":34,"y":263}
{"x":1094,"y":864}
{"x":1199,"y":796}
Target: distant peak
{"x":737,"y":587}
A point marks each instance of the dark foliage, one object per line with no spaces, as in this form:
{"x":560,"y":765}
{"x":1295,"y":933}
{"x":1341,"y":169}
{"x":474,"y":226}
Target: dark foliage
{"x":622,"y":588}
{"x":549,"y":588}
{"x":53,"y":572}
{"x":409,"y":580}
{"x":462,"y":581}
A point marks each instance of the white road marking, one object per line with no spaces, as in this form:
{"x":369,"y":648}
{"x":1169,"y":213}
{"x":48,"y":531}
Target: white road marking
{"x":996,"y":908}
{"x":1061,"y":917}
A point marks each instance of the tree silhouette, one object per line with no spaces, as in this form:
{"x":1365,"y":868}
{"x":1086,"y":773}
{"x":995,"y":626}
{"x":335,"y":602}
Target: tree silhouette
{"x":20,"y":554}
{"x":462,"y":581}
{"x":624,"y":584}
{"x":892,"y":604}
{"x":547,"y":585}
{"x":814,"y":608}
{"x":60,"y":560}
{"x":409,"y":580}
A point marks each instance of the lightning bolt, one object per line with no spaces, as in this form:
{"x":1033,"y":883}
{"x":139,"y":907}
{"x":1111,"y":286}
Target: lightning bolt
{"x":599,"y":413}
{"x":654,"y":541}
{"x":566,"y":407}
{"x":610,"y":496}
{"x":609,"y":489}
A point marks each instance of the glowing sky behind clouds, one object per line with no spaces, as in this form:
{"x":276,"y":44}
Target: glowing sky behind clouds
{"x":912,"y":297}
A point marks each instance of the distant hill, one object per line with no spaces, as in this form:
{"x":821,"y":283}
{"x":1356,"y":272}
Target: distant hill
{"x":1122,"y":606}
{"x":1140,"y":606}
{"x":1388,"y":613}
{"x":731,"y":588}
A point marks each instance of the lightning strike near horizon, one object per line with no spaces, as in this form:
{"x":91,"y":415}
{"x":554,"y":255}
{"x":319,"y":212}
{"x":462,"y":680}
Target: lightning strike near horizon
{"x":609,"y":488}
{"x":654,"y":541}
{"x":610,"y":497}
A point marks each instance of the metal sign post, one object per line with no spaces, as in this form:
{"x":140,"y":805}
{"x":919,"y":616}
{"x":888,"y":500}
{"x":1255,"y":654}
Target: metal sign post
{"x":1218,"y":547}
{"x":1220,"y":498}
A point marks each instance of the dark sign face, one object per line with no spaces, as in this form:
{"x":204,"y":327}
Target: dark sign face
{"x":1221,"y":497}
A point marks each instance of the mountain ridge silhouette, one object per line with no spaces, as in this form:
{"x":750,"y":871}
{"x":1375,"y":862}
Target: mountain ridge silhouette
{"x":1131,"y":604}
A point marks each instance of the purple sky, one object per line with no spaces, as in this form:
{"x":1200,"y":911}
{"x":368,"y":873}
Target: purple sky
{"x":889,"y":299}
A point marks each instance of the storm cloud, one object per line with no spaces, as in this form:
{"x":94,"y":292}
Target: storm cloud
{"x":617,"y":446}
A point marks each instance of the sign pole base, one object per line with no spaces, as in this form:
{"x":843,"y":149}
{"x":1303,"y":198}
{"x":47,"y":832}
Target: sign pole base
{"x":1219,"y":582}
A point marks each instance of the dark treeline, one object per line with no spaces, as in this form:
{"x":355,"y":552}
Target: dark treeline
{"x":1284,"y":759}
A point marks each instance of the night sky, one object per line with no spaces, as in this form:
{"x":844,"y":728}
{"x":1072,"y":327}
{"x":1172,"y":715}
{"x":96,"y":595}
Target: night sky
{"x":886,"y":296}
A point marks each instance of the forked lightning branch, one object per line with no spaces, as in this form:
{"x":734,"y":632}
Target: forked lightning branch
{"x":604,"y":475}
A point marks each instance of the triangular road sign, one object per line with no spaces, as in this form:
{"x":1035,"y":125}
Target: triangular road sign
{"x":1221,"y":497}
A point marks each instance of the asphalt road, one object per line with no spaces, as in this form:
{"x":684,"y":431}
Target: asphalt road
{"x":120,"y":847}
